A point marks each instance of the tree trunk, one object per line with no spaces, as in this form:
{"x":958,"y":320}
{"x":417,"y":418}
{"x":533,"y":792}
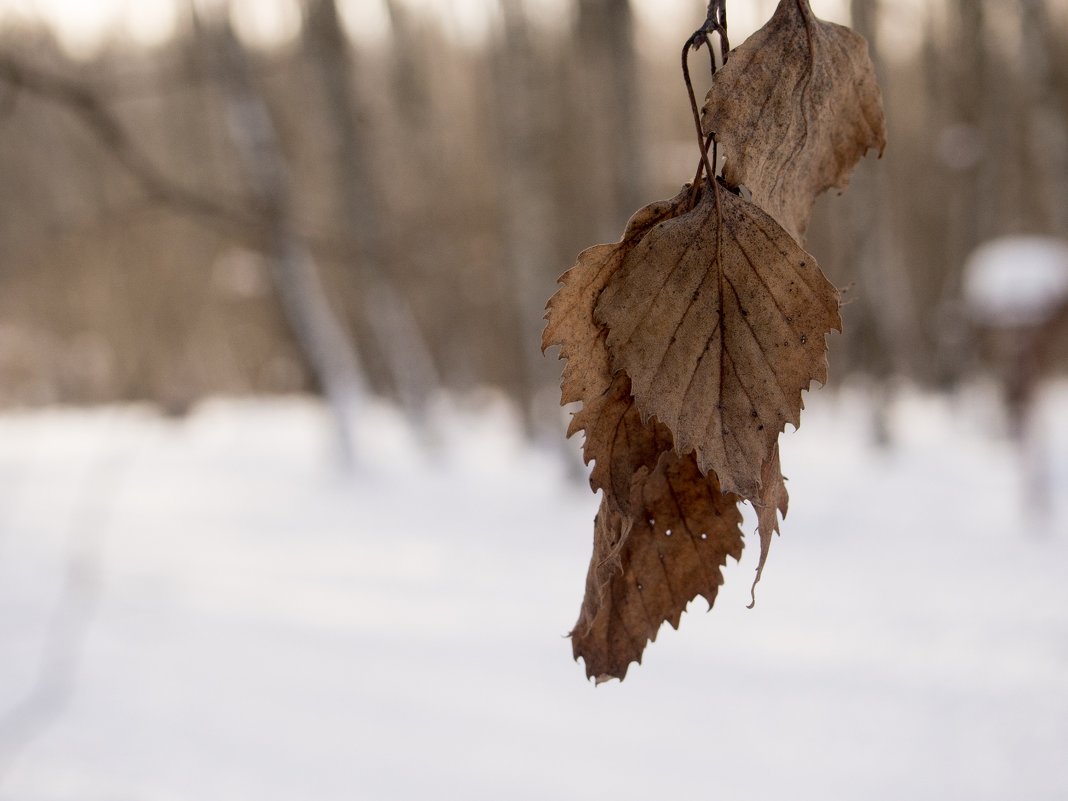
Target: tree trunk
{"x":609,"y":103}
{"x":527,"y":213}
{"x":397,"y":338}
{"x":1045,"y":119}
{"x":887,"y":294}
{"x":972,"y":120}
{"x":317,"y":328}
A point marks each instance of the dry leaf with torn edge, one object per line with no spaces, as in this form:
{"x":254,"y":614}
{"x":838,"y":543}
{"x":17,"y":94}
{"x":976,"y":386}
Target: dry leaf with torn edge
{"x":795,"y":107}
{"x":647,"y":568}
{"x":617,"y":441}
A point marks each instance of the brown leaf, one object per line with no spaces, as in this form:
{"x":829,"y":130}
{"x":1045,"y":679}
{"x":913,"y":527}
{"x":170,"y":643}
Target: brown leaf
{"x":719,"y":317}
{"x":569,"y":312}
{"x":618,"y":441}
{"x":647,"y":568}
{"x":795,"y":107}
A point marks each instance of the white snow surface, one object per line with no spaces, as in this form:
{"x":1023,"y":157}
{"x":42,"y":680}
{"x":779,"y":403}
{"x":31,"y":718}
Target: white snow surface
{"x":1017,"y":280}
{"x":248,"y":623}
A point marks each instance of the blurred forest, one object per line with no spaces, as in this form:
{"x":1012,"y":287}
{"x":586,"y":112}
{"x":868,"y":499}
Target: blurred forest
{"x":387,"y":217}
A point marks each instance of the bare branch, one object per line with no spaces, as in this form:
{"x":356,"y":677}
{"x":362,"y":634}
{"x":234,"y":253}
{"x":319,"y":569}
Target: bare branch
{"x":86,"y":105}
{"x":109,"y":131}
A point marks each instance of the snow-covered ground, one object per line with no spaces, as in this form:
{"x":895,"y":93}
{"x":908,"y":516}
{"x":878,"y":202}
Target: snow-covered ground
{"x":205,"y":610}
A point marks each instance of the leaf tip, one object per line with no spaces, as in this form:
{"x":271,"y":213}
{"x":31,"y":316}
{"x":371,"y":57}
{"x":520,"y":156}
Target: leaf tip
{"x":756,"y":580}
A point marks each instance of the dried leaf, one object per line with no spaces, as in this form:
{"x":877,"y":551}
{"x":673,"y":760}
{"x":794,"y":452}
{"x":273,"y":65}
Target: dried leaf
{"x":569,"y":312}
{"x":795,"y":107}
{"x":689,"y":342}
{"x":646,"y":568}
{"x":719,"y":317}
{"x":618,"y":441}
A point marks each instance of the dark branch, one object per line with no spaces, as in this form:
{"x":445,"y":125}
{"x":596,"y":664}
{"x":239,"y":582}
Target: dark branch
{"x":86,"y":105}
{"x":106,"y":128}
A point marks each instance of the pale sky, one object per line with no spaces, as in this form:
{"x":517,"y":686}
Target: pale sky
{"x":84,"y":25}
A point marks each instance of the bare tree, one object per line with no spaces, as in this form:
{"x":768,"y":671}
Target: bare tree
{"x":887,"y":295}
{"x":609,"y":102}
{"x":527,"y":213}
{"x":317,"y":326}
{"x":1045,"y":116}
{"x":398,"y":339}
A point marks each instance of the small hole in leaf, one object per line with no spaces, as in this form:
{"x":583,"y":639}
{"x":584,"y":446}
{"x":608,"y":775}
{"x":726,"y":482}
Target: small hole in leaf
{"x":704,"y":536}
{"x":804,"y":339}
{"x":640,"y":587}
{"x":667,"y":533}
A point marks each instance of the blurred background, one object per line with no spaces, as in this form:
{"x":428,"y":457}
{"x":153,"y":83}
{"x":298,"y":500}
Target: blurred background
{"x":285,"y":505}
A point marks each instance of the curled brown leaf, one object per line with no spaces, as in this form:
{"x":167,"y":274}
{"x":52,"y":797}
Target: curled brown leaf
{"x":795,"y":107}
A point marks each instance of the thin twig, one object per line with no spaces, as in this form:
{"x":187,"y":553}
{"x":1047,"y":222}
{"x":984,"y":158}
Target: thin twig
{"x":715,"y":22}
{"x":701,"y":164}
{"x":696,"y":113}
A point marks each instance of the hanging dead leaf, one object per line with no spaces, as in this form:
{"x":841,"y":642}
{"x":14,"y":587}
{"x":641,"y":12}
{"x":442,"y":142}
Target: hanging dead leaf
{"x":618,"y":441}
{"x":689,"y":342}
{"x":719,"y":317}
{"x":795,"y":107}
{"x":646,"y":568}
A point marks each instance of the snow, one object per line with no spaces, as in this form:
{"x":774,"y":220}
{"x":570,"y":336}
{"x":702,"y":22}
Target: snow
{"x":1017,"y":280}
{"x":251,"y":624}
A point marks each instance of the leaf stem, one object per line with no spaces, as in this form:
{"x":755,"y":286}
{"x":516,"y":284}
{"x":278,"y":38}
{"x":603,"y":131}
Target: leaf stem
{"x":701,"y":145}
{"x":715,"y":22}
